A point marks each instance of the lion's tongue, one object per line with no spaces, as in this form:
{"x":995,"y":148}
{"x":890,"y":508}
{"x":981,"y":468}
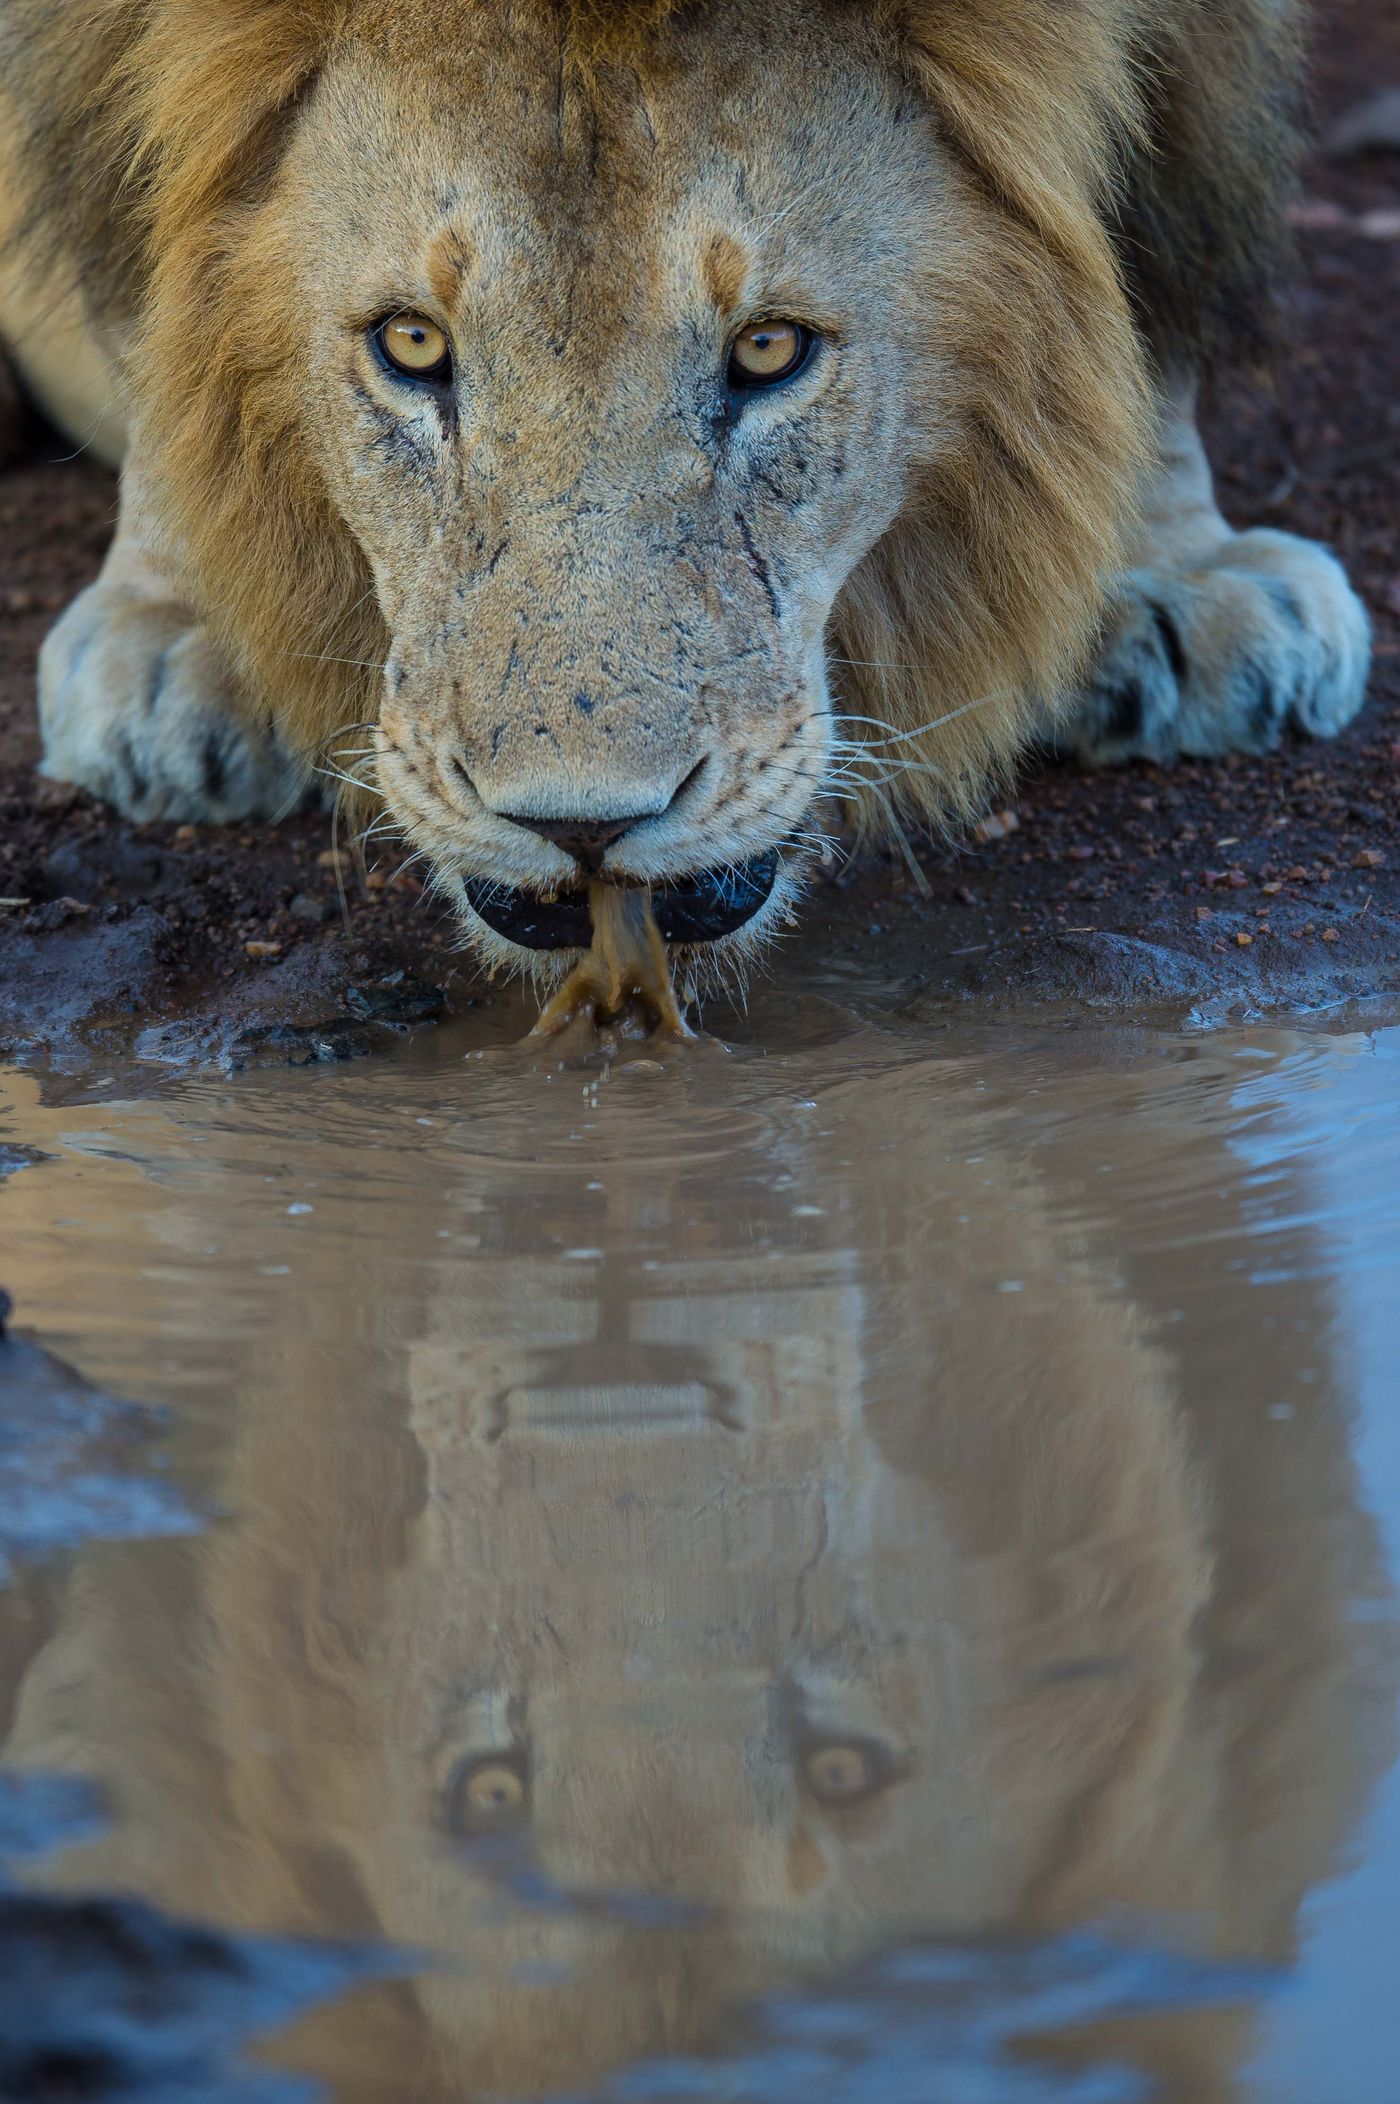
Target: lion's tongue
{"x":625,"y":977}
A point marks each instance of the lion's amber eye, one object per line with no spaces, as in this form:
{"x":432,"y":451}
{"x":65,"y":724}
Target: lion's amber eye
{"x":844,"y":1771}
{"x":415,"y":346}
{"x":768,"y":352}
{"x":837,"y":1774}
{"x":489,"y":1796}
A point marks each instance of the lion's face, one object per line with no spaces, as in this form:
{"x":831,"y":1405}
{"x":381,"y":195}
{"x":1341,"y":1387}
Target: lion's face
{"x":605,"y":541}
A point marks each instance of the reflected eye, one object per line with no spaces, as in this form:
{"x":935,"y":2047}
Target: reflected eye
{"x":414,"y":346}
{"x":489,"y":1796}
{"x":841,"y":1772}
{"x":837,"y":1774}
{"x":769,"y":352}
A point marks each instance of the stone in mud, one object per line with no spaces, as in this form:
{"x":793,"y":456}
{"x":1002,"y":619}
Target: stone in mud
{"x":96,"y":866}
{"x":399,"y":1002}
{"x":1371,"y":126}
{"x":1096,"y":968}
{"x":299,"y":1045}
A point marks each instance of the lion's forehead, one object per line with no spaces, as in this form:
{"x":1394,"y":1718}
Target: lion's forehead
{"x":499,"y":165}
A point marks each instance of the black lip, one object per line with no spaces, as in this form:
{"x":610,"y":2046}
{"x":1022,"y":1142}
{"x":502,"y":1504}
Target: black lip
{"x":692,"y":909}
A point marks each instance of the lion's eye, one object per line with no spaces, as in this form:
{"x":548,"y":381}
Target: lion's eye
{"x":768,"y":352}
{"x":414,"y":346}
{"x":837,"y":1774}
{"x":489,"y":1796}
{"x":846,"y":1772}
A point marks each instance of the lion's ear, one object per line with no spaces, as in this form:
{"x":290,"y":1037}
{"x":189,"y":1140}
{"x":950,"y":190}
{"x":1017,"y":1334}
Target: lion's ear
{"x":254,"y":61}
{"x":140,"y":118}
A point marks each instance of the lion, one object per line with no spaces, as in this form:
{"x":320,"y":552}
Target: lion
{"x":630,"y":1638}
{"x":614,"y":435}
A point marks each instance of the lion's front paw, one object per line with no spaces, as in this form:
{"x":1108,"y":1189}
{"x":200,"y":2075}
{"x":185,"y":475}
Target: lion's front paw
{"x":1223,"y":655}
{"x":137,"y":705}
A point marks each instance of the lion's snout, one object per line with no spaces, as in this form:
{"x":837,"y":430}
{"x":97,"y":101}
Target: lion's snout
{"x":583,"y":703}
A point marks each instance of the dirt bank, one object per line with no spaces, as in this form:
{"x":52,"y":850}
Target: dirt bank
{"x":1276,"y":880}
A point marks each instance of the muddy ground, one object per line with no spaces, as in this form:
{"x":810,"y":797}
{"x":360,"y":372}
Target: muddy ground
{"x":1272,"y":882}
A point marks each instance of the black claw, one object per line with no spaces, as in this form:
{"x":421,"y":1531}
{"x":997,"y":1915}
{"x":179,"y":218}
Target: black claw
{"x":1266,"y":709}
{"x":1172,"y":644}
{"x":155,"y":685}
{"x":138,"y":785}
{"x":1123,"y":713}
{"x":213,"y":768}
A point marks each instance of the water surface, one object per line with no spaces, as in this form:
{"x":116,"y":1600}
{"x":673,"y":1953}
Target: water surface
{"x":859,"y":1567}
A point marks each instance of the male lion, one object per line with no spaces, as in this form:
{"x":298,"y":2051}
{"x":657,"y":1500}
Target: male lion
{"x":563,"y":416}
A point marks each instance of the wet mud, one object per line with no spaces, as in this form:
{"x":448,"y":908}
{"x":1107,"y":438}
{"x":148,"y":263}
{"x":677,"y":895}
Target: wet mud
{"x":1264,"y":884}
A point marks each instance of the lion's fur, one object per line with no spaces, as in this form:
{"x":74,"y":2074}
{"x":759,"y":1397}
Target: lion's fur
{"x":1103,"y":143}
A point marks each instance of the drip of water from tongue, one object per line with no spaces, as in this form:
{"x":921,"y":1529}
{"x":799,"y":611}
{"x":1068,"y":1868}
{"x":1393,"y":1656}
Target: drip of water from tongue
{"x":625,"y":980}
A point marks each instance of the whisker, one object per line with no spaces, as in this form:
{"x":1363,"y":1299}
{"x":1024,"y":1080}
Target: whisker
{"x":338,"y":774}
{"x":875,"y":665}
{"x":379,"y":831}
{"x":316,"y":657}
{"x":898,"y":737}
{"x":347,"y":730}
{"x":339,"y":875}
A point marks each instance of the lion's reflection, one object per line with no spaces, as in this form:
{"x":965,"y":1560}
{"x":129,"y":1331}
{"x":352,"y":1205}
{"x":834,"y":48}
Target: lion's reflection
{"x":640,"y":1629}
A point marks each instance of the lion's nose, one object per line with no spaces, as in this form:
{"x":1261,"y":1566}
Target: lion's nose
{"x":586,"y":839}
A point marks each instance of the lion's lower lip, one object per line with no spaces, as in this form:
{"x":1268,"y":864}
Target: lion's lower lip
{"x":692,"y":909}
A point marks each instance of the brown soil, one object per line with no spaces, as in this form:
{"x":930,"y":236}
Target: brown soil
{"x":1273,"y":881}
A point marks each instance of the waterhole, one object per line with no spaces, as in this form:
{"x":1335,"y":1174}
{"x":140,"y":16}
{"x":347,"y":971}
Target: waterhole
{"x":854,"y":1568}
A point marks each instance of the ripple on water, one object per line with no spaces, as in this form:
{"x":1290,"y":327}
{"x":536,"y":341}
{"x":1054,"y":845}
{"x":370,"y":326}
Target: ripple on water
{"x":730,"y":1557}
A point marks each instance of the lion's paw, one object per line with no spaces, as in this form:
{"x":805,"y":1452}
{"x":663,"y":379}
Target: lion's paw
{"x":1223,"y":655}
{"x":136,"y":705}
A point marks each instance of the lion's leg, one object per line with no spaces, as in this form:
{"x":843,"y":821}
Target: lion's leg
{"x":137,"y":704}
{"x":135,"y":701}
{"x":1216,"y":641}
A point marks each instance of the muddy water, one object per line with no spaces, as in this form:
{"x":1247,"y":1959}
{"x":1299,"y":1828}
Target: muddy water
{"x":854,"y":1570}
